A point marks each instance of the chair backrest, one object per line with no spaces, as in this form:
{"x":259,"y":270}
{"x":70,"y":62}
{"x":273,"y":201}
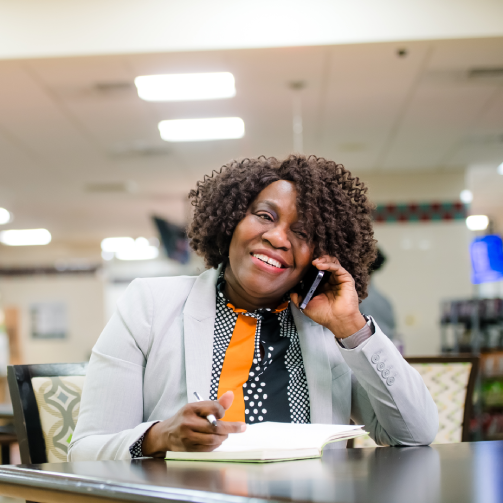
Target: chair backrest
{"x":46,"y":402}
{"x":451,"y":381}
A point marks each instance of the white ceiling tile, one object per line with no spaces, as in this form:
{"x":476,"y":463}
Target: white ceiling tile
{"x":362,"y":105}
{"x":438,"y":116}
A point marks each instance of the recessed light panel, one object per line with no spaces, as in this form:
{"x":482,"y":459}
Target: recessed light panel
{"x":116,"y":244}
{"x":127,"y":248}
{"x":477,"y":222}
{"x":466,"y":196}
{"x":186,"y":86}
{"x":223,"y":128}
{"x":25,"y":237}
{"x":5,"y":216}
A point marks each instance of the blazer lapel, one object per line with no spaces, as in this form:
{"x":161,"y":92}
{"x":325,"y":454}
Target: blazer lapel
{"x":317,"y":366}
{"x":198,"y":325}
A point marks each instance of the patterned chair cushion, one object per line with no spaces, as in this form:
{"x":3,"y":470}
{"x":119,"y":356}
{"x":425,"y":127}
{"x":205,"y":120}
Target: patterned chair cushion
{"x":447,"y":383}
{"x":58,"y":400}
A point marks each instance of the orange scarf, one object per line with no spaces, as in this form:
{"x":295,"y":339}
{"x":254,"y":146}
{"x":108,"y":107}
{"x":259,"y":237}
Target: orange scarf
{"x":238,"y":361}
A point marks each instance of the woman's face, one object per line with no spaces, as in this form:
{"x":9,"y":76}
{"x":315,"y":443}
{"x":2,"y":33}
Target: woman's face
{"x":269,"y":251}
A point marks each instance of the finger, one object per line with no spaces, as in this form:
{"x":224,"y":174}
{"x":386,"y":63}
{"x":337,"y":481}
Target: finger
{"x":204,"y":409}
{"x":202,"y":425}
{"x":205,"y":439}
{"x":226,"y":427}
{"x":334,"y":267}
{"x":322,"y":263}
{"x":295,"y":298}
{"x":226,"y":399}
{"x":323,"y":259}
{"x":200,"y":448}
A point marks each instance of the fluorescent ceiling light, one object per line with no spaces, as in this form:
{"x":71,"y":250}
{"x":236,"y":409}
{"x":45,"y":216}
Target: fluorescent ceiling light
{"x":140,"y":250}
{"x":126,"y":248}
{"x":223,"y":128}
{"x":500,"y":169}
{"x":466,"y":196}
{"x":186,"y":86}
{"x":137,"y":253}
{"x":5,"y":216}
{"x":25,"y":237}
{"x":477,"y":222}
{"x":116,"y":244}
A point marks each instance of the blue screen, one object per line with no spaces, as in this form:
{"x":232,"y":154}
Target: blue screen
{"x":487,"y":259}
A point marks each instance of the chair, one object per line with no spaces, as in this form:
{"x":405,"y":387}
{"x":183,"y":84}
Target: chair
{"x":451,"y":381}
{"x":46,"y":402}
{"x":7,"y":438}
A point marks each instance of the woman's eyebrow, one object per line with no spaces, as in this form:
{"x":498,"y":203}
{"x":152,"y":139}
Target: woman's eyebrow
{"x":270,"y":203}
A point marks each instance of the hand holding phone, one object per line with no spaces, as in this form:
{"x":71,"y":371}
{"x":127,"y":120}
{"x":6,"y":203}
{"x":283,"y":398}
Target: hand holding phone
{"x":337,"y":309}
{"x":312,"y":284}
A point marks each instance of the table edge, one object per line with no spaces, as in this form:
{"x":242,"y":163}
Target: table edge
{"x":69,"y":483}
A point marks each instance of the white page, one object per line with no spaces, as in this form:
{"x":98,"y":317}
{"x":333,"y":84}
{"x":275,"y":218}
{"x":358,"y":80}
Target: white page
{"x":280,"y":436}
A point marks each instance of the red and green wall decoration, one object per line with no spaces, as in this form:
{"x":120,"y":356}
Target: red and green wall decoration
{"x":421,"y":212}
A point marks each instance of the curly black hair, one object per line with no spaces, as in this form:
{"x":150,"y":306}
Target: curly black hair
{"x":331,"y":202}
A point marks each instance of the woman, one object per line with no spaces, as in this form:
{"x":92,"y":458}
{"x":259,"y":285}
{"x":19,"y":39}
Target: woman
{"x":235,"y":333}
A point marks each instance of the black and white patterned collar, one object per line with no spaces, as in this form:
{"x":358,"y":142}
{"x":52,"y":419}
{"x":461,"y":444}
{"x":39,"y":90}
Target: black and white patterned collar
{"x":220,"y":288}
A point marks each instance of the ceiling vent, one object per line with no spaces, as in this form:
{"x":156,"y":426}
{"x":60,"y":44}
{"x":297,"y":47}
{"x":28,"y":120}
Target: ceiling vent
{"x":139,"y":148}
{"x":98,"y":90}
{"x":486,"y":73}
{"x":114,"y":86}
{"x":484,"y":139}
{"x":127,"y":187}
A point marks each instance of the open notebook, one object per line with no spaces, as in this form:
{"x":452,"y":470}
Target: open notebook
{"x":270,"y":441}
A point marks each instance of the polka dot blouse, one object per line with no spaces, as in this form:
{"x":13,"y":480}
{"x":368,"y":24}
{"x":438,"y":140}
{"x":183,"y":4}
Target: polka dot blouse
{"x":274,"y":387}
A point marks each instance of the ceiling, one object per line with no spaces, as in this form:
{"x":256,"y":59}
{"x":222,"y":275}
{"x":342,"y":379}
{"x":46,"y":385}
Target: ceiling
{"x":55,"y":28}
{"x":80,"y":153}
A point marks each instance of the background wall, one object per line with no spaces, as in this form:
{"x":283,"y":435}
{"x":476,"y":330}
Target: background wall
{"x":427,"y":262}
{"x":84,"y":299}
{"x":90,"y":298}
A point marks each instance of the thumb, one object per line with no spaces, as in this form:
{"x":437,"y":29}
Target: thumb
{"x":226,"y":399}
{"x":295,"y":298}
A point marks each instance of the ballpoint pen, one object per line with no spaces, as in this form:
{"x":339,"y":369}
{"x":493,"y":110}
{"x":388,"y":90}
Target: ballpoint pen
{"x":211,"y":418}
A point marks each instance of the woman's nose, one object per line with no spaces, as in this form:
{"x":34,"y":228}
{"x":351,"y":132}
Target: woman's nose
{"x":277,"y":237}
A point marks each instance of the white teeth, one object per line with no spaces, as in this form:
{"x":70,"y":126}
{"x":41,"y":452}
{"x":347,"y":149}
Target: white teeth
{"x":268,"y":260}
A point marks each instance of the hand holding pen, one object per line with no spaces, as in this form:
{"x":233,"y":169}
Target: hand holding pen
{"x":192,"y":429}
{"x":210,"y":417}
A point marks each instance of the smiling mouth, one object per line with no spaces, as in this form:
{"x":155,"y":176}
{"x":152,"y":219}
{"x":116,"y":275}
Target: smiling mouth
{"x":268,"y":260}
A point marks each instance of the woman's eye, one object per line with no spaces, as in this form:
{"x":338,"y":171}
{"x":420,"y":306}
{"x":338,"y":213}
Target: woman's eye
{"x":302,"y":234}
{"x":265,"y":216}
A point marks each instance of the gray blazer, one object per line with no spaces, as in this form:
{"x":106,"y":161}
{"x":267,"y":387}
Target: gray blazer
{"x":157,"y":350}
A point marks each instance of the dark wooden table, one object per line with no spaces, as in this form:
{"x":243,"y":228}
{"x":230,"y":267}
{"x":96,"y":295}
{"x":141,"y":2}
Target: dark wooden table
{"x":444,"y":473}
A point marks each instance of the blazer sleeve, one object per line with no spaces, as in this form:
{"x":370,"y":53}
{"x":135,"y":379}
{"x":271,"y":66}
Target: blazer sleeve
{"x":111,"y":410}
{"x":388,"y":396}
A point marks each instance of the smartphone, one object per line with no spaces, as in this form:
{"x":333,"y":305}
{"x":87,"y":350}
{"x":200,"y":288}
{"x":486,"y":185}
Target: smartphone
{"x":311,"y":285}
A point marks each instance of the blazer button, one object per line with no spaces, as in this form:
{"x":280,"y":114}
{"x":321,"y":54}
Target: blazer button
{"x":390,"y":381}
{"x":375,"y":358}
{"x":386,"y":373}
{"x":380,"y":366}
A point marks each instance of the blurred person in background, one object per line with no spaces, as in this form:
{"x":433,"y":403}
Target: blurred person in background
{"x":377,"y":304}
{"x":235,"y":333}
